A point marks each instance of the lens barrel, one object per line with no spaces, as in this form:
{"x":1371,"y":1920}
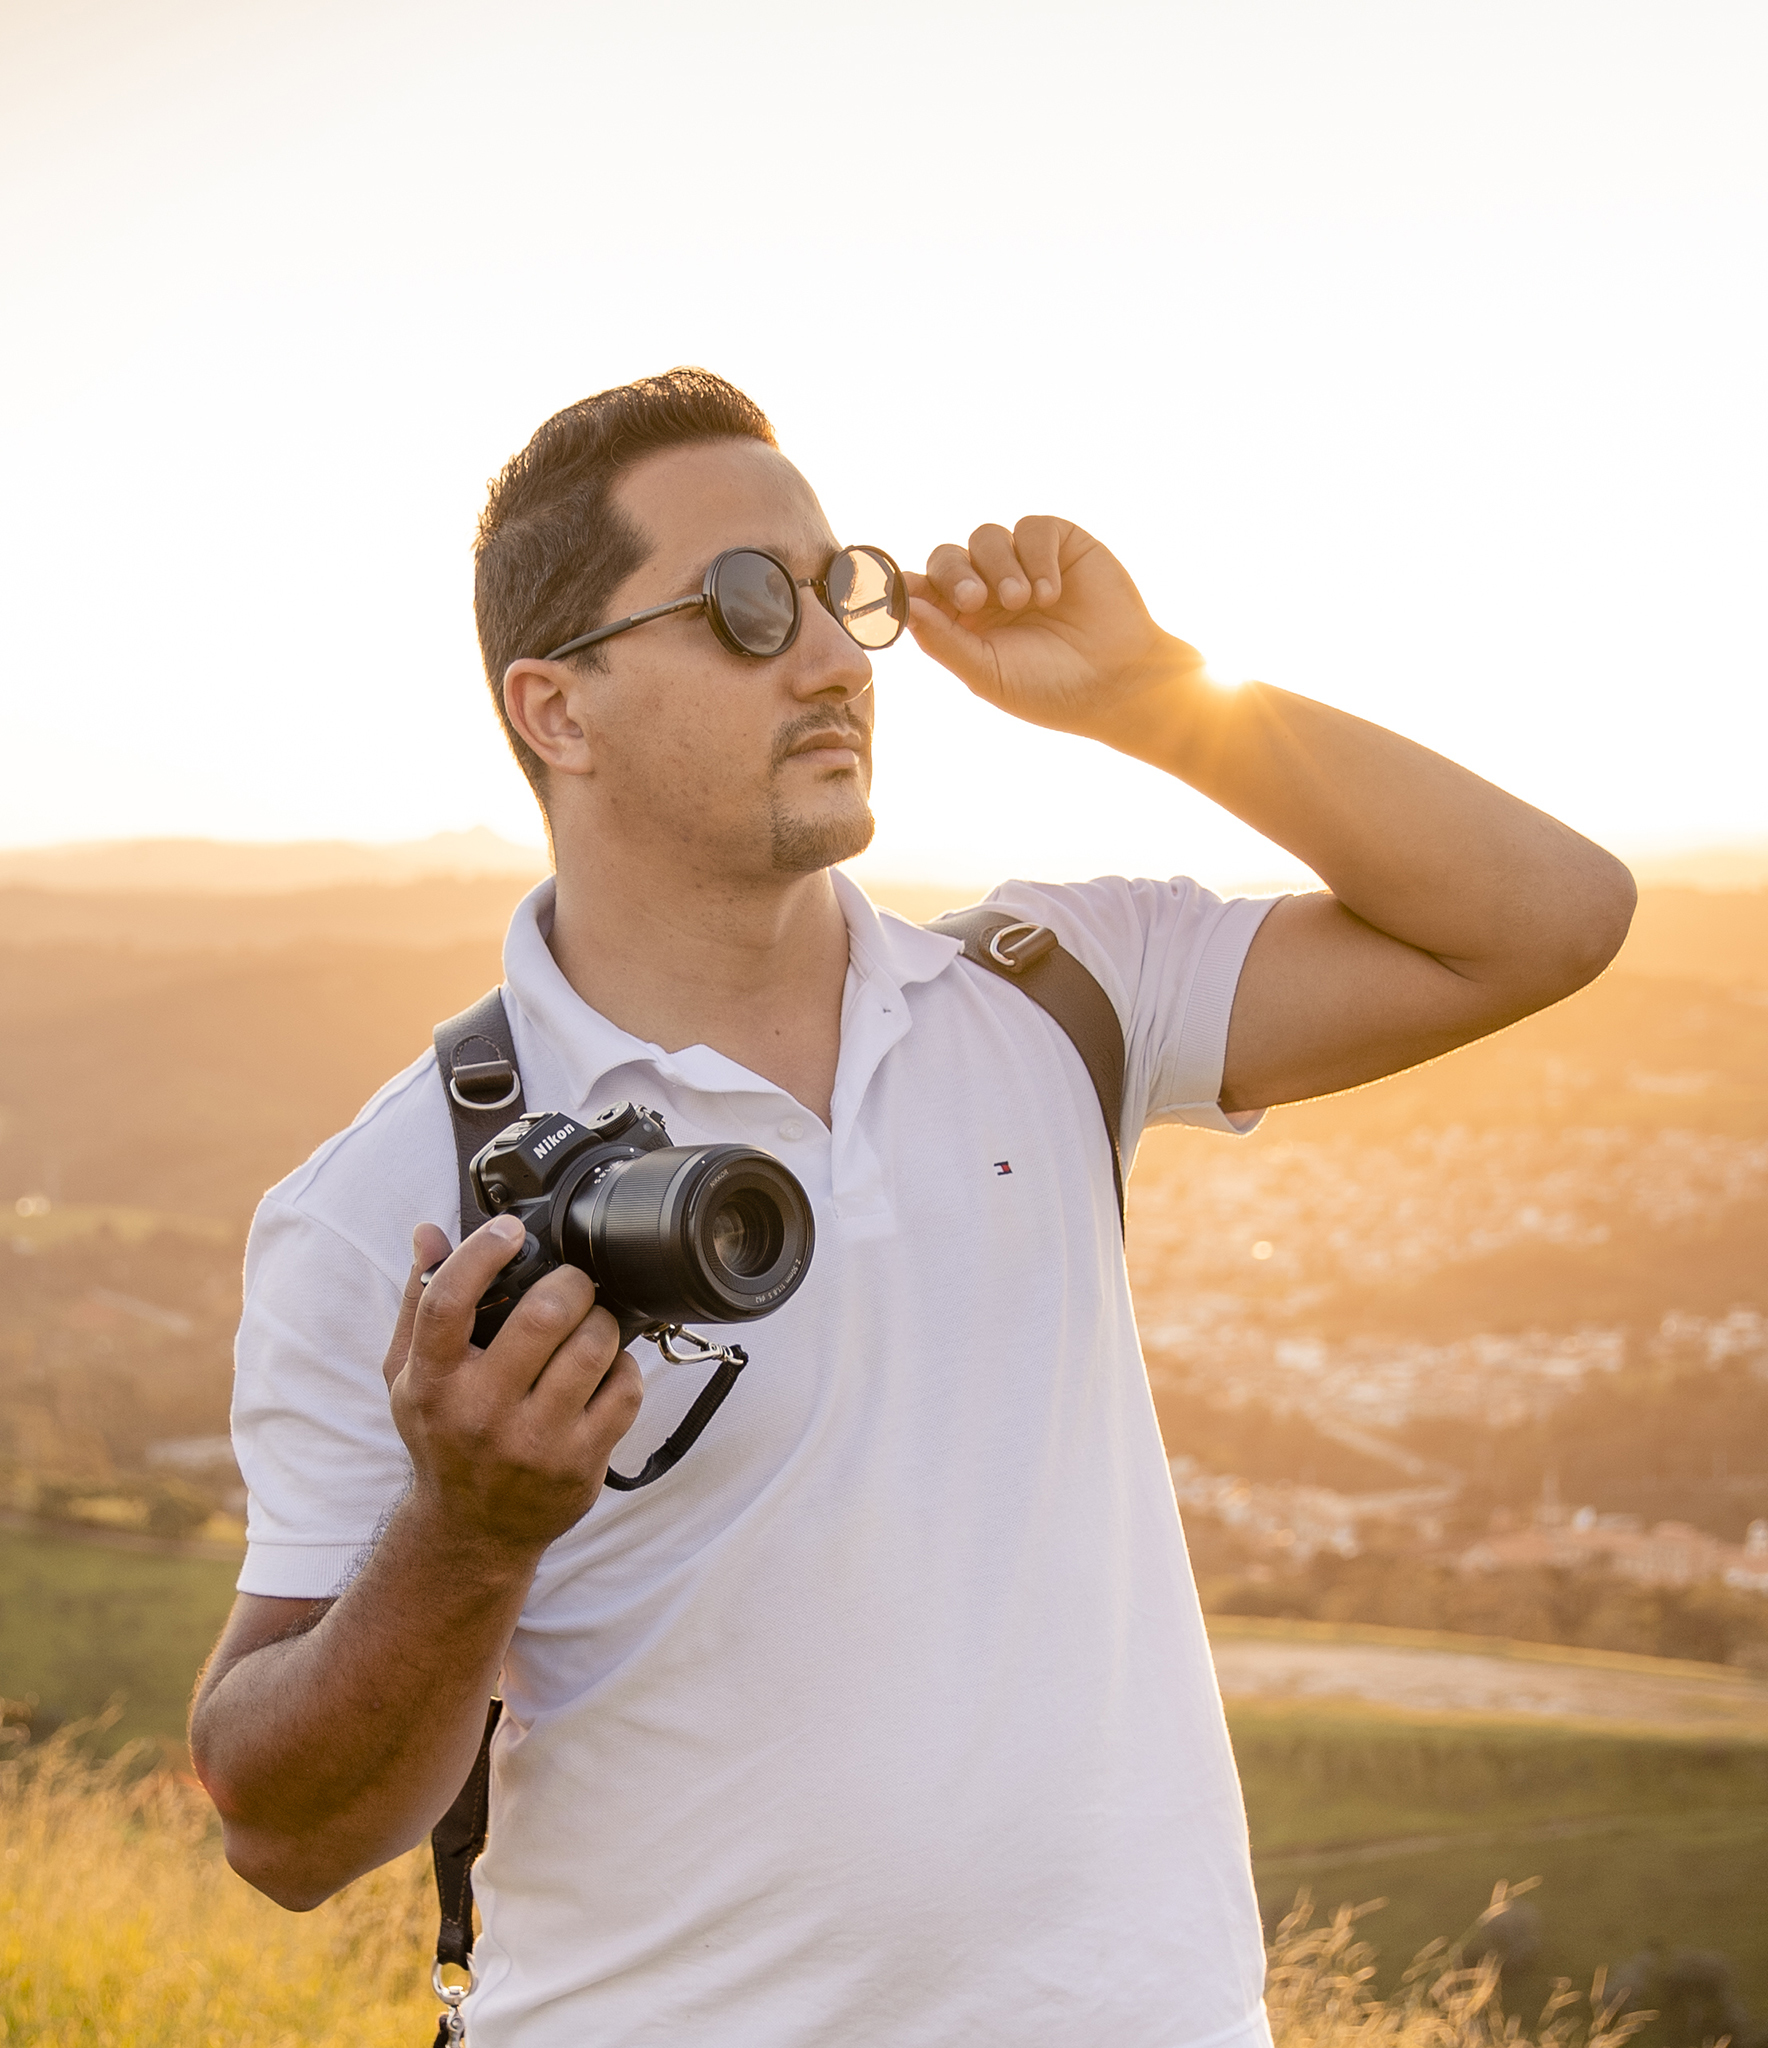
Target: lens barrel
{"x":690,"y":1233}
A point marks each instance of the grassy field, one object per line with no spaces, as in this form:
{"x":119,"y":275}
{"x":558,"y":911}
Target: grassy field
{"x":1639,"y":1837}
{"x":121,"y":1927}
{"x":81,"y":1621}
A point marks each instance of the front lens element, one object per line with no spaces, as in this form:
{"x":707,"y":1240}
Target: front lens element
{"x":867,"y":595}
{"x":745,"y":1233}
{"x":754,"y":602}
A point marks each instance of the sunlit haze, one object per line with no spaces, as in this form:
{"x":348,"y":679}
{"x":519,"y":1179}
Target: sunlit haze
{"x":1409,"y":356}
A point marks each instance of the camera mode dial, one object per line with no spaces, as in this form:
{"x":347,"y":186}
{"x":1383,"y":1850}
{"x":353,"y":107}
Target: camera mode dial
{"x":630,"y":1123}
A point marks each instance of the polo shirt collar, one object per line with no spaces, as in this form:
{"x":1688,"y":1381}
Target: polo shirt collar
{"x":886,"y":954}
{"x":887,"y":947}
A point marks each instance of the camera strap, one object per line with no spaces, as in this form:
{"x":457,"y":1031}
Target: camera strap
{"x":477,"y":1058}
{"x":476,"y":1055}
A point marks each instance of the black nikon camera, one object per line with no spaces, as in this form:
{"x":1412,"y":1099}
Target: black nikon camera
{"x":670,"y":1234}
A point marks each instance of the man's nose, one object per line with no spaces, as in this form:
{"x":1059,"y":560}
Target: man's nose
{"x":827,"y":661}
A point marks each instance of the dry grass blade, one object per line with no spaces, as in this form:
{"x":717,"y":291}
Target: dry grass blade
{"x":1319,"y":1992}
{"x":120,"y":1923}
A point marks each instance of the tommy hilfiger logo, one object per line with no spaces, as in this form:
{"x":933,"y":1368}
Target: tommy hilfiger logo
{"x":1003,"y":1166}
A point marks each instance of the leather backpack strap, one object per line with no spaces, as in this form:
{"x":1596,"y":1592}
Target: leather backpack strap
{"x":476,"y":1056}
{"x":482,"y":1085}
{"x":1030,"y":957}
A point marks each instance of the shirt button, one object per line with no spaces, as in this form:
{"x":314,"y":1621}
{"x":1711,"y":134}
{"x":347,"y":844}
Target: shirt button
{"x":793,"y":1127}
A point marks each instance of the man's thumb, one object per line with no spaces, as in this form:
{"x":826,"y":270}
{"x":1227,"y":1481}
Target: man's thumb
{"x":955,"y":648}
{"x":429,"y":1247}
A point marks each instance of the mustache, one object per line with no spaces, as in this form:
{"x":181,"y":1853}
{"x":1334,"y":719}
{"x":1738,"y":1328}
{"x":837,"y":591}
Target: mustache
{"x":840,"y":732}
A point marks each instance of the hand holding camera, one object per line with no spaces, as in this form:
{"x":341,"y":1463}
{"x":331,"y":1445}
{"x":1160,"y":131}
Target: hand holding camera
{"x":602,"y":1231}
{"x":510,"y":1444}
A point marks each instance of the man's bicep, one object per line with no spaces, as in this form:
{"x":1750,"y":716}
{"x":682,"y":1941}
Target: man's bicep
{"x":1326,"y":1002}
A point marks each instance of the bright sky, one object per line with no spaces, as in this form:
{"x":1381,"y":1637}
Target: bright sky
{"x":1410,"y":356}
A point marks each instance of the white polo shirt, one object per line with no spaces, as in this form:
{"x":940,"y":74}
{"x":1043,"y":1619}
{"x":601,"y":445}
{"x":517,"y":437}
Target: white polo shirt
{"x":886,"y":1719}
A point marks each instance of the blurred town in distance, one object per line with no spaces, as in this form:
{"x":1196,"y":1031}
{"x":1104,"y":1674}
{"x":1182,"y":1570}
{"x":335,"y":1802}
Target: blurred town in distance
{"x":1480,"y":1348}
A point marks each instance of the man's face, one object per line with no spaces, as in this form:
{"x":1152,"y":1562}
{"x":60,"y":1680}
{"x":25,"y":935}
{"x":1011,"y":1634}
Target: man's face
{"x":746,"y":767}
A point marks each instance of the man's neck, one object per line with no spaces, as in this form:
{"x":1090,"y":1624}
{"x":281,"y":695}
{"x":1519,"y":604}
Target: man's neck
{"x":753,"y":968}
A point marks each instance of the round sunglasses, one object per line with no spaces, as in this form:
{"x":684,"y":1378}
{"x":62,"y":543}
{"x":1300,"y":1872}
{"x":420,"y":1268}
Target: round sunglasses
{"x":751,"y":602}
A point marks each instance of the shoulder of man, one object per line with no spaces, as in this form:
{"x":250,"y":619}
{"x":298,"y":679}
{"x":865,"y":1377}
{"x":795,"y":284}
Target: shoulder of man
{"x":1168,"y":955}
{"x":370,"y":1184}
{"x":1113,"y":924}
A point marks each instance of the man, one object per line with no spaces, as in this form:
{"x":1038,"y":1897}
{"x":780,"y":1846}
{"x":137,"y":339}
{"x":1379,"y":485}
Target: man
{"x":888,"y":1717}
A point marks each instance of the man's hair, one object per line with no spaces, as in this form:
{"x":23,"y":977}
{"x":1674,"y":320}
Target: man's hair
{"x":553,"y":547}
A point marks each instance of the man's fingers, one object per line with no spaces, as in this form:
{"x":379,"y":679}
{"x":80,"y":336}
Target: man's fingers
{"x":443,"y":1326}
{"x":591,"y":1380}
{"x":954,"y":579}
{"x":1008,"y":570}
{"x":1037,"y":542}
{"x":992,"y":552}
{"x":614,"y":1406}
{"x":429,"y":1247}
{"x":555,"y":1329}
{"x":588,"y":1389}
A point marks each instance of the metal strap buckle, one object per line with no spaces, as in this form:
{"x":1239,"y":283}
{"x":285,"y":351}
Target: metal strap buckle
{"x":1019,"y":946}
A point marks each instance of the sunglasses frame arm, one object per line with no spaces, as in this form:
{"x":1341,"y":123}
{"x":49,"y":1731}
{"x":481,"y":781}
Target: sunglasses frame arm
{"x":657,"y":611}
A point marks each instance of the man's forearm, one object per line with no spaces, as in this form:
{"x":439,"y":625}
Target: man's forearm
{"x":1453,"y":910}
{"x":332,"y":1750}
{"x":1414,"y":845}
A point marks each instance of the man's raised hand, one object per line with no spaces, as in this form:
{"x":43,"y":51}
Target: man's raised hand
{"x":1045,"y":622}
{"x":509,"y":1446}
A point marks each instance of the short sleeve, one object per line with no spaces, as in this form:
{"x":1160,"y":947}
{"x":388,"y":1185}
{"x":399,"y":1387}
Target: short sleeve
{"x":1169,"y":955}
{"x":312,"y":1426}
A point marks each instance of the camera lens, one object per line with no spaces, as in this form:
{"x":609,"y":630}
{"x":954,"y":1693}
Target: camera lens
{"x":745,"y":1233}
{"x":690,"y":1233}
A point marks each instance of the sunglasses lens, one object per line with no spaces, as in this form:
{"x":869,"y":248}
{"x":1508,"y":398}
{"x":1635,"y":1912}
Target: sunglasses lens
{"x":866,"y":594}
{"x":757,"y":601}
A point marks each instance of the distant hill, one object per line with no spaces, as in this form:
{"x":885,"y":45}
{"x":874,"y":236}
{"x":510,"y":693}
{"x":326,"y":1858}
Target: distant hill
{"x":185,"y":1051}
{"x":422,"y":912}
{"x":1743,"y":866}
{"x":215,"y":867}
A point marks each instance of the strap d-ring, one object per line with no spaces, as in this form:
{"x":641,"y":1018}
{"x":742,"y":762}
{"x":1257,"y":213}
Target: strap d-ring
{"x":1018,"y":946}
{"x":482,"y":1073}
{"x":452,"y":1994}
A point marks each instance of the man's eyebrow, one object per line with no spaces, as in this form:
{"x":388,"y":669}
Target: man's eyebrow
{"x":809,"y":561}
{"x":804,"y":559}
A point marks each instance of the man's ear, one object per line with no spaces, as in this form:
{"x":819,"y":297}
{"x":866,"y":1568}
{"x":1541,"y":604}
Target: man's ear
{"x":537,"y":697}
